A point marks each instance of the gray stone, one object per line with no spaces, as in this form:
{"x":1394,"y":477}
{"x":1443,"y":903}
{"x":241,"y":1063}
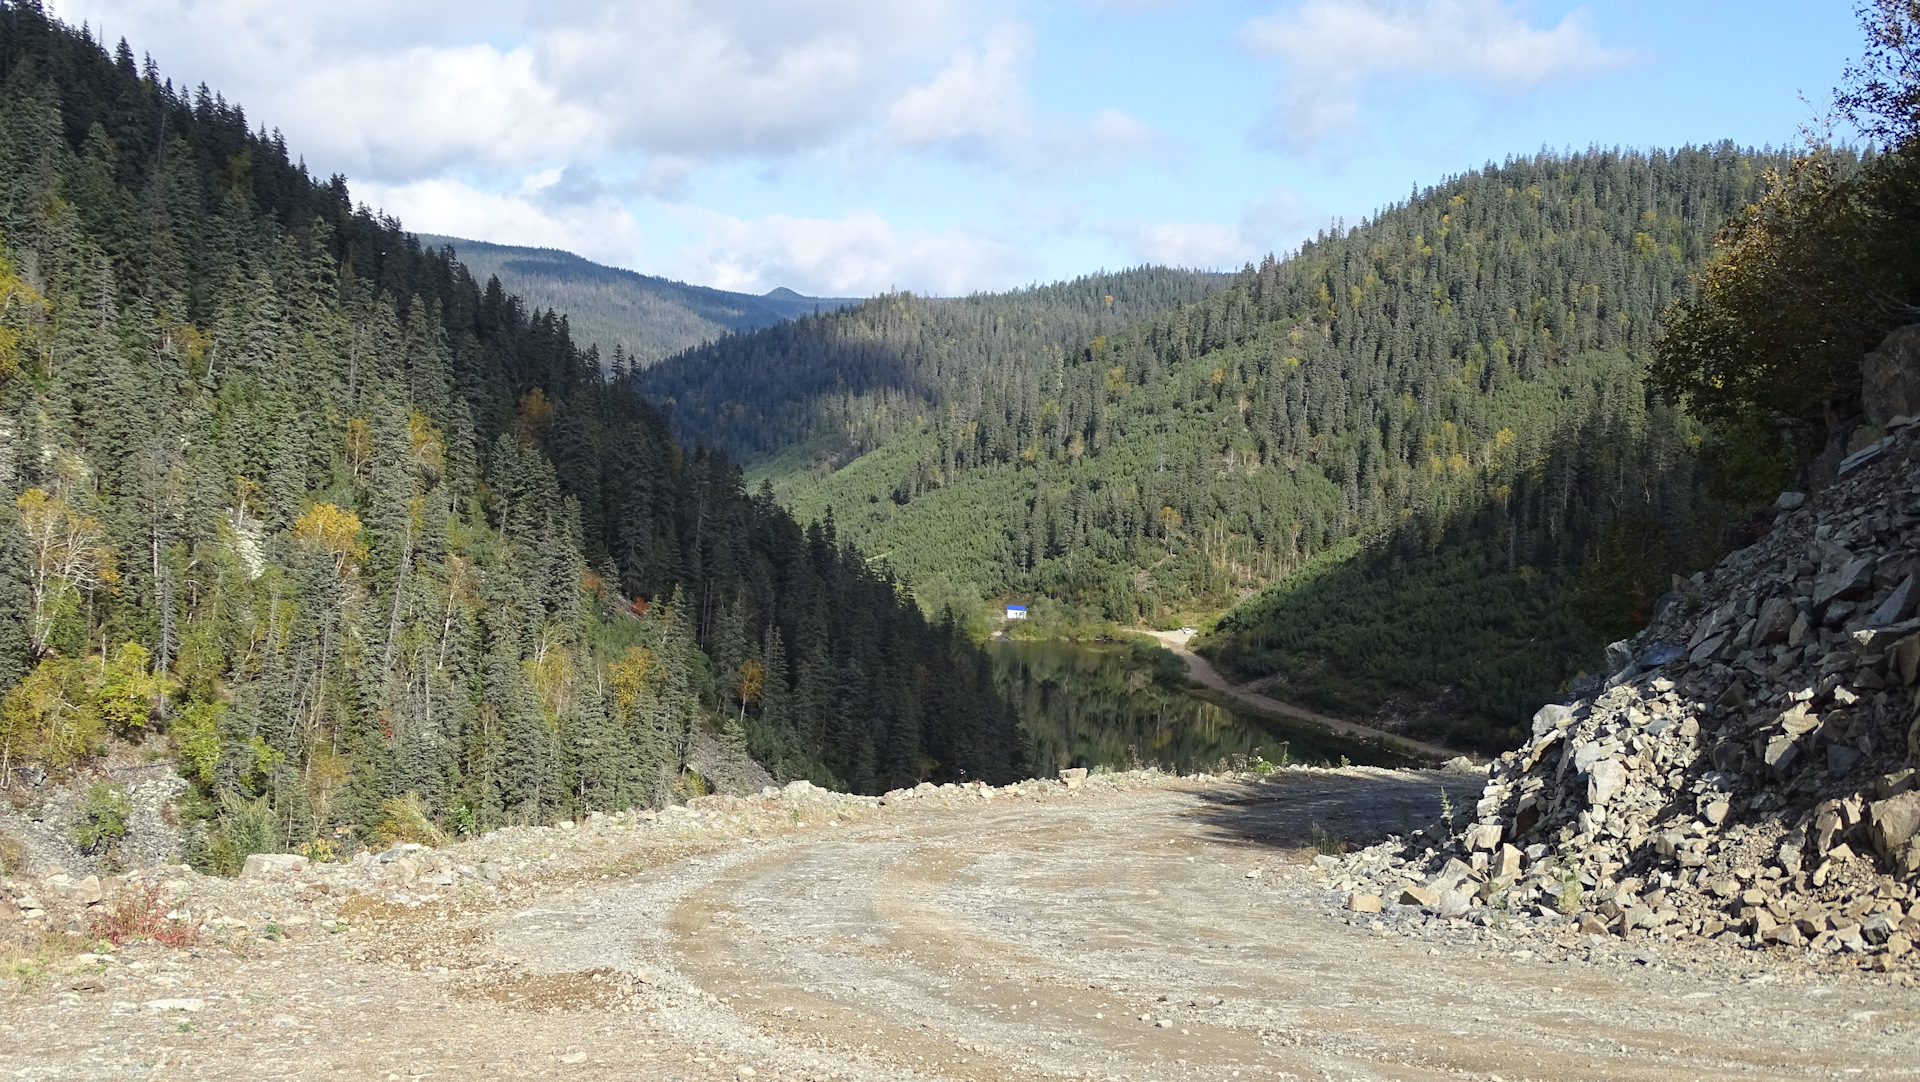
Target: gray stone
{"x":1841,"y":758}
{"x":1894,"y":821}
{"x":1791,"y":501}
{"x":1774,"y":621}
{"x":1890,"y":377}
{"x":1604,"y":782}
{"x":1708,"y":647}
{"x":1660,"y":653}
{"x":1848,"y":580}
{"x":1865,"y":456}
{"x":1713,"y":623}
{"x":1450,"y":875}
{"x":1876,"y":929}
{"x":1505,"y":862}
{"x":266,"y":865}
{"x":1849,"y":937}
{"x":1589,"y":754}
{"x":1550,"y":717}
{"x":1802,"y":626}
{"x":1893,"y":784}
{"x":1787,"y":935}
{"x":1419,"y":896}
{"x":1455,"y":903}
{"x":1897,"y":607}
{"x":1905,"y":658}
{"x":1781,"y":752}
{"x":1619,"y":656}
{"x":1484,"y":836}
{"x":1796,"y":722}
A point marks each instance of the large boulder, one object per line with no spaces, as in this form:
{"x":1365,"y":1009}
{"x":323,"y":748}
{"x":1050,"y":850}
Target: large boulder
{"x":1895,"y":820}
{"x":1604,"y":781}
{"x":1890,"y":377}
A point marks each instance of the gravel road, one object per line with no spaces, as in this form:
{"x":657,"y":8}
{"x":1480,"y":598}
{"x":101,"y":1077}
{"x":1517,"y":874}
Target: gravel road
{"x":1202,"y":670}
{"x":1169,"y":929}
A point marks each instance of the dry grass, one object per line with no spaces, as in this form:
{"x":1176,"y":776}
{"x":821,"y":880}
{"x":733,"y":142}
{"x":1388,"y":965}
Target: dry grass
{"x":34,"y":958}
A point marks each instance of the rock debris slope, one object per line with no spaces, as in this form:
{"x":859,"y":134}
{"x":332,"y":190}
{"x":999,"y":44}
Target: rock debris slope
{"x":1744,"y":772}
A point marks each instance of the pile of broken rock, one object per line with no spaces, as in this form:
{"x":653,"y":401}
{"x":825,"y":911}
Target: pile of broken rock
{"x":1745,"y":772}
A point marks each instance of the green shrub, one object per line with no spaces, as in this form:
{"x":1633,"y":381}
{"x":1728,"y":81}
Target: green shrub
{"x":406,"y":818}
{"x":246,"y":827}
{"x":103,"y":815}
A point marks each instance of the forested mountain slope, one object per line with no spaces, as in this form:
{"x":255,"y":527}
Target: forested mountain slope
{"x":356,"y":534}
{"x":638,"y":317}
{"x":1461,"y":379}
{"x":804,"y":398}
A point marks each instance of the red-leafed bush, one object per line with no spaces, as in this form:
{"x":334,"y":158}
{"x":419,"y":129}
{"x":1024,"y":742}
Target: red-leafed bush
{"x":135,"y":913}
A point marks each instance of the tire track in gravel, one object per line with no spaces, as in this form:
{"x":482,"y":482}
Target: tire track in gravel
{"x":964,"y":938}
{"x":1026,"y":941}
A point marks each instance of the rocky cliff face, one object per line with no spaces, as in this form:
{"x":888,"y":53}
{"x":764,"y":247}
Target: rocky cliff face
{"x":1745,"y":772}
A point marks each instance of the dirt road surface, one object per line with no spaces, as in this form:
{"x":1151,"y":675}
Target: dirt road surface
{"x":1202,"y":670}
{"x":1175,"y":929}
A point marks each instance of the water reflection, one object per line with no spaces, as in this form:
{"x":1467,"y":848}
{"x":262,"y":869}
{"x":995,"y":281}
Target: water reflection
{"x":1120,"y":705}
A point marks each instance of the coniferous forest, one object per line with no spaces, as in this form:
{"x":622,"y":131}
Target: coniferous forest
{"x":808,"y":396}
{"x":1433,"y":433}
{"x":352,"y":531}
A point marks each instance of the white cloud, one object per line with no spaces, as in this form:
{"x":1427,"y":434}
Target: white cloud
{"x":979,"y":107}
{"x":532,"y":123}
{"x":754,"y":77}
{"x":540,"y":213}
{"x":396,"y":92}
{"x":1330,"y":49}
{"x":855,"y":256}
{"x":1267,"y":225}
{"x":1200,"y":245}
{"x":978,"y":100}
{"x":431,"y":109}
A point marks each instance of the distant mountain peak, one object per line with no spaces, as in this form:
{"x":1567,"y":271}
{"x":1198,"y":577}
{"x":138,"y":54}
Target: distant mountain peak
{"x":647,"y":316}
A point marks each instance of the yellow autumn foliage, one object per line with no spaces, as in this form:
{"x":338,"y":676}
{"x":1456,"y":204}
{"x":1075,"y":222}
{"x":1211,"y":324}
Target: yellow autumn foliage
{"x":630,"y":679}
{"x":327,"y":528}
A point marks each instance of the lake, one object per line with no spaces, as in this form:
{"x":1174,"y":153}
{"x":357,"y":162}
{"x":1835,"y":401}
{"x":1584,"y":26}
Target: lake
{"x":1120,"y":705}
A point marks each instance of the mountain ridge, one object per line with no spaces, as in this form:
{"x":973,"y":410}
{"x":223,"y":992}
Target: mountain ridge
{"x":647,"y":317}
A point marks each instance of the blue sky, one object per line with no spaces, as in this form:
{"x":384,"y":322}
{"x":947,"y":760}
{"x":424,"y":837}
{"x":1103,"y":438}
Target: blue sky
{"x":845,"y":147}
